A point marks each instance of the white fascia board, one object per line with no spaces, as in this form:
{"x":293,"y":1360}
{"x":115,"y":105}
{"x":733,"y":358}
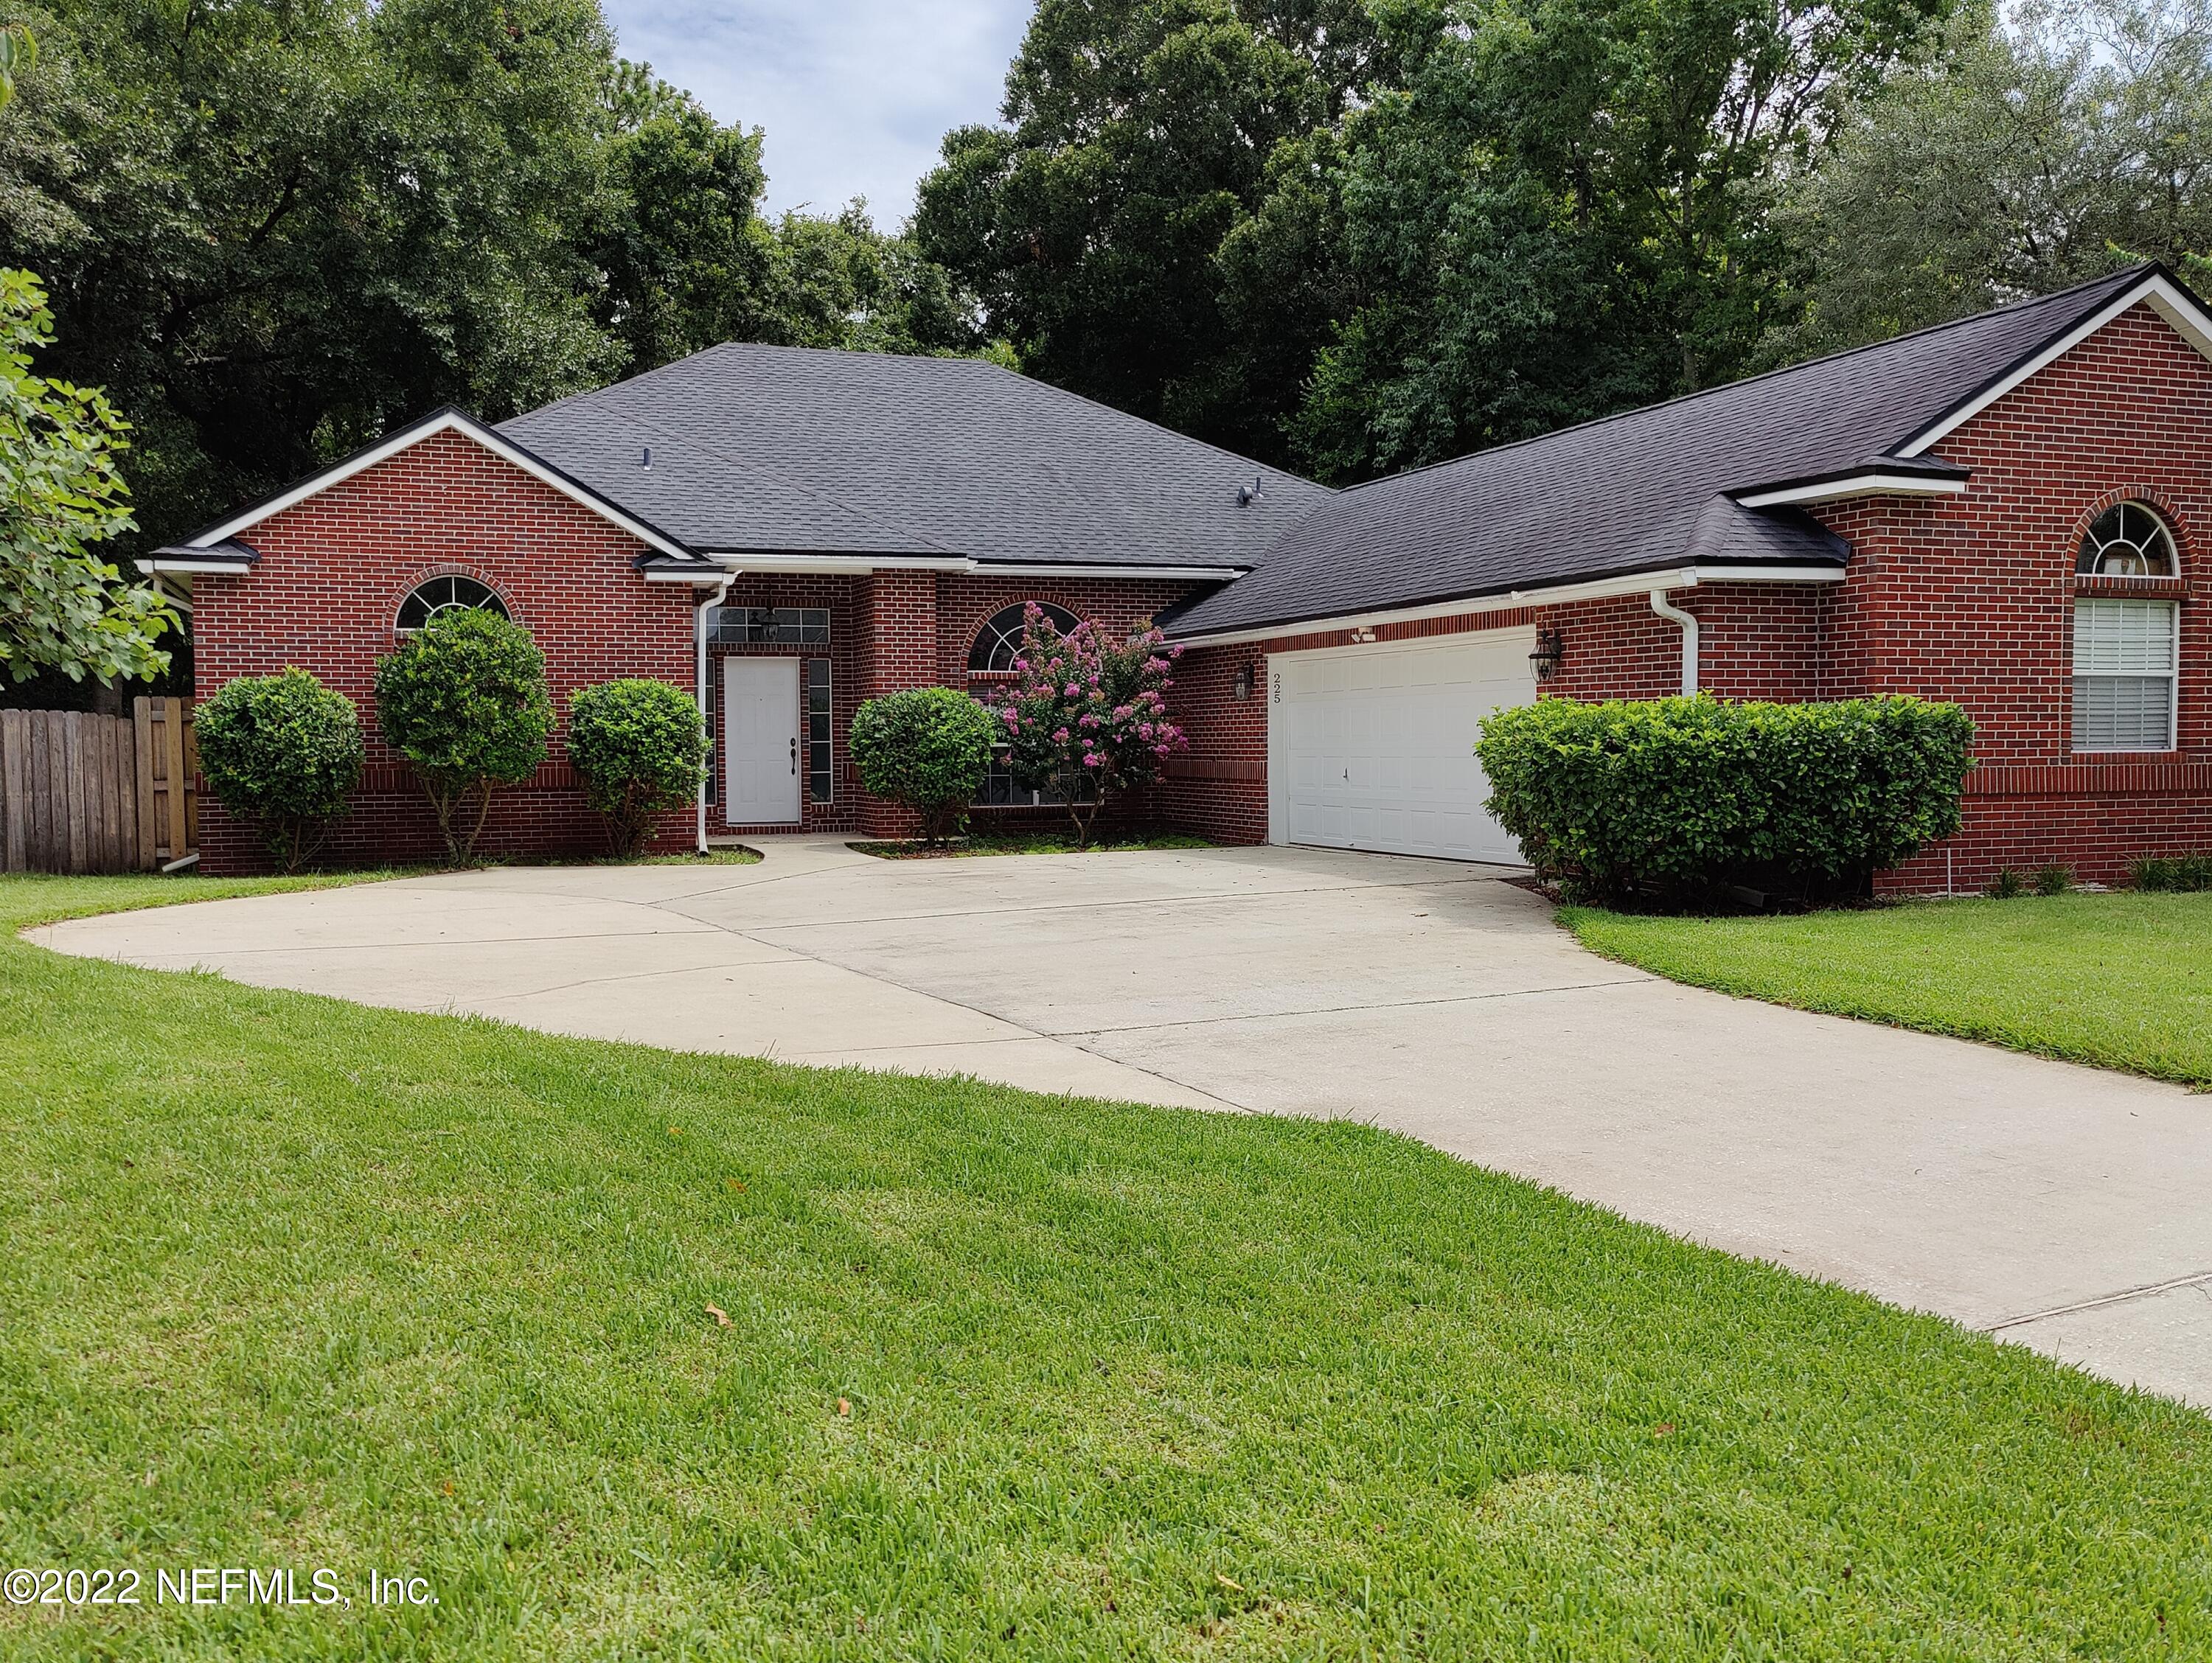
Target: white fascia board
{"x":700,"y":577}
{"x":856,"y":565}
{"x":149,"y":563}
{"x":1635,"y":582}
{"x":451,"y":422}
{"x":2166,"y":300}
{"x":1169,"y":573}
{"x":1598,"y":589}
{"x":1865,"y":484}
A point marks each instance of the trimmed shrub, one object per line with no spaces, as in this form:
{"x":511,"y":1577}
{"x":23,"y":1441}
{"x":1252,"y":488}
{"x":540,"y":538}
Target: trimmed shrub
{"x":640,"y":747}
{"x":1679,"y":797}
{"x":284,"y":750}
{"x":926,"y":748}
{"x":464,"y":700}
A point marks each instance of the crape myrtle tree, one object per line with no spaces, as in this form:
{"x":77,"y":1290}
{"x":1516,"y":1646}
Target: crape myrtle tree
{"x":464,"y":700}
{"x":1087,"y":717}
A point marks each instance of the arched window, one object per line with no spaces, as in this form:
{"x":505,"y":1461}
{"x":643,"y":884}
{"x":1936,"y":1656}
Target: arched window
{"x":1000,"y":641}
{"x":2128,"y":541}
{"x":447,"y":594}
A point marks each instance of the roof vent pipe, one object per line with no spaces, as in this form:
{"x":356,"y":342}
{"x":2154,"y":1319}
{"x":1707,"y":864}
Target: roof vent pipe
{"x":1249,"y":494}
{"x":1667,"y":609}
{"x":645,"y":458}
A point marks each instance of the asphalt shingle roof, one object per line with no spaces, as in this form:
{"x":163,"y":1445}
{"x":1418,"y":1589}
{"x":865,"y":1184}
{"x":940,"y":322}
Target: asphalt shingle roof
{"x":1638,"y":491}
{"x":787,"y":449}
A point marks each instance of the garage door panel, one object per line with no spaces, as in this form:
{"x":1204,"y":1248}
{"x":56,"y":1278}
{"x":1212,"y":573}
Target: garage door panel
{"x":1377,"y":745}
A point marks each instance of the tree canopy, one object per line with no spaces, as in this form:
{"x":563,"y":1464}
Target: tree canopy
{"x":272,"y":232}
{"x":1359,"y":238}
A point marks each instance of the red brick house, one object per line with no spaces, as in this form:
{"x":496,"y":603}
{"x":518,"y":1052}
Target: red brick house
{"x":2010,"y":512}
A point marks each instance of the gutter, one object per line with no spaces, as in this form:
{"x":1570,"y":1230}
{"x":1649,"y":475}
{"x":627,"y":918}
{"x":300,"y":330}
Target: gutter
{"x":705,"y":605}
{"x":1633,"y":583}
{"x":1667,"y":609}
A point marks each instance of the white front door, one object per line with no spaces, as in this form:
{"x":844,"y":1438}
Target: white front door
{"x":1373,"y":747}
{"x":760,"y":741}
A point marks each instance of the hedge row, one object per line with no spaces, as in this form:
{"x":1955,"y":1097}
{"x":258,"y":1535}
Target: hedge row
{"x":1673,"y":797}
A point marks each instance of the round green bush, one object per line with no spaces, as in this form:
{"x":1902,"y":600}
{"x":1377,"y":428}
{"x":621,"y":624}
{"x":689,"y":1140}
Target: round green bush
{"x":464,"y":700}
{"x":927,"y":748}
{"x":639,"y":747}
{"x":1677,"y":798}
{"x":284,"y":750}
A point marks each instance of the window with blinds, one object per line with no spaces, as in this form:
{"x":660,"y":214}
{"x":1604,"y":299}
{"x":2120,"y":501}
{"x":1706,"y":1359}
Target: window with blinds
{"x":2124,"y":654}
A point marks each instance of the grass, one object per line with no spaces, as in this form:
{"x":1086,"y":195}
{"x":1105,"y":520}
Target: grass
{"x":1038,"y":842}
{"x":2120,"y":980}
{"x":289,"y":1282}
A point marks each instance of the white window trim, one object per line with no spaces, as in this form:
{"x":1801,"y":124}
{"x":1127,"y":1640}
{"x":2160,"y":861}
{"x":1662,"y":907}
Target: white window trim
{"x":2173,"y":684}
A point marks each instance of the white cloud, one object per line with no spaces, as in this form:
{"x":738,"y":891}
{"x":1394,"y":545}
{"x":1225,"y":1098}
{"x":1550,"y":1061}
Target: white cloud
{"x":855,"y":95}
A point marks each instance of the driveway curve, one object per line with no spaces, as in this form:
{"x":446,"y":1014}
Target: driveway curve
{"x":2061,"y":1207}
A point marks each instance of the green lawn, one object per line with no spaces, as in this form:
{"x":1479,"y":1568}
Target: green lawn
{"x":2120,"y":980}
{"x":291,"y":1283}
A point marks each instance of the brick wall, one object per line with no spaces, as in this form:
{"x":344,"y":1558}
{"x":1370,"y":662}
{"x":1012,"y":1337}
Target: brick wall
{"x":325,"y":594}
{"x":1971,"y":599}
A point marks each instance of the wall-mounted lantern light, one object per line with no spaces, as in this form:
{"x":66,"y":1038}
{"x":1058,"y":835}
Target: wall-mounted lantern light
{"x":1242,"y":687}
{"x":1550,"y":652}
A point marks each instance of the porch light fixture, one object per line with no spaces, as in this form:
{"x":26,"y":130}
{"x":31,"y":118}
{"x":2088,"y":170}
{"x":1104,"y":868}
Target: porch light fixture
{"x":1242,"y":687}
{"x":1550,"y":651}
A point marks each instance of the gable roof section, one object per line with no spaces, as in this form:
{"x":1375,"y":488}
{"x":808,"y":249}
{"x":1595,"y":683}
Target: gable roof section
{"x":792,"y":450}
{"x":1711,"y":477}
{"x":445,"y":420}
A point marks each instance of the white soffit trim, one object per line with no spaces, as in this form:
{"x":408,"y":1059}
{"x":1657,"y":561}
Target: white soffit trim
{"x":1865,"y":484}
{"x":857,"y":564}
{"x":406,"y":439}
{"x":150,"y":564}
{"x":1633,"y":583}
{"x":2163,"y":297}
{"x":1169,"y":574}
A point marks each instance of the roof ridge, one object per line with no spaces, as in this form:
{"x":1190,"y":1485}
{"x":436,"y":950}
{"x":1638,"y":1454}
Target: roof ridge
{"x":2139,"y":269}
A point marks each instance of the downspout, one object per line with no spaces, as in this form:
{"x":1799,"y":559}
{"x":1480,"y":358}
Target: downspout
{"x":699,"y":640}
{"x":1667,"y":609}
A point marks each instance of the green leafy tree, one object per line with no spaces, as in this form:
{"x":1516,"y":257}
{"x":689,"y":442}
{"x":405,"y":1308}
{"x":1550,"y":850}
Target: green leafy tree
{"x":640,"y":747}
{"x":273,"y":232}
{"x":284,"y":750}
{"x":17,"y":50}
{"x":2040,"y":149}
{"x":62,"y":607}
{"x":925,"y":749}
{"x":464,"y":700}
{"x":1138,"y":137}
{"x":1566,"y":208}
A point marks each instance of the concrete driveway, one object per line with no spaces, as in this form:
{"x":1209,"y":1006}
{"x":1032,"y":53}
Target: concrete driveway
{"x":2062,"y":1207}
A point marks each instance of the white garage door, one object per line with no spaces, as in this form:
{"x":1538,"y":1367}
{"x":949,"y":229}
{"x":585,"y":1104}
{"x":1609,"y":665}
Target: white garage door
{"x":1373,"y":747}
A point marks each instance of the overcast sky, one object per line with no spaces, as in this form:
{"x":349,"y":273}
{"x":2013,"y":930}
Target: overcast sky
{"x":855,"y":95}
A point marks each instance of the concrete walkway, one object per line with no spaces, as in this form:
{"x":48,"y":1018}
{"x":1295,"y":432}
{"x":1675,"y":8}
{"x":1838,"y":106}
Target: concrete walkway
{"x":2063,"y":1207}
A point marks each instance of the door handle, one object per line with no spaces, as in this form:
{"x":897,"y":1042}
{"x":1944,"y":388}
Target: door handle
{"x":794,"y":754}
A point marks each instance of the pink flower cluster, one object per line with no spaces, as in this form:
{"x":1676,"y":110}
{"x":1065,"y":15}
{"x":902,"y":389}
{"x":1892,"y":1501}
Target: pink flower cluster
{"x":1088,"y":715}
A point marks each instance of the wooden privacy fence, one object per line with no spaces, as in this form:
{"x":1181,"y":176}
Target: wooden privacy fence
{"x":84,"y":794}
